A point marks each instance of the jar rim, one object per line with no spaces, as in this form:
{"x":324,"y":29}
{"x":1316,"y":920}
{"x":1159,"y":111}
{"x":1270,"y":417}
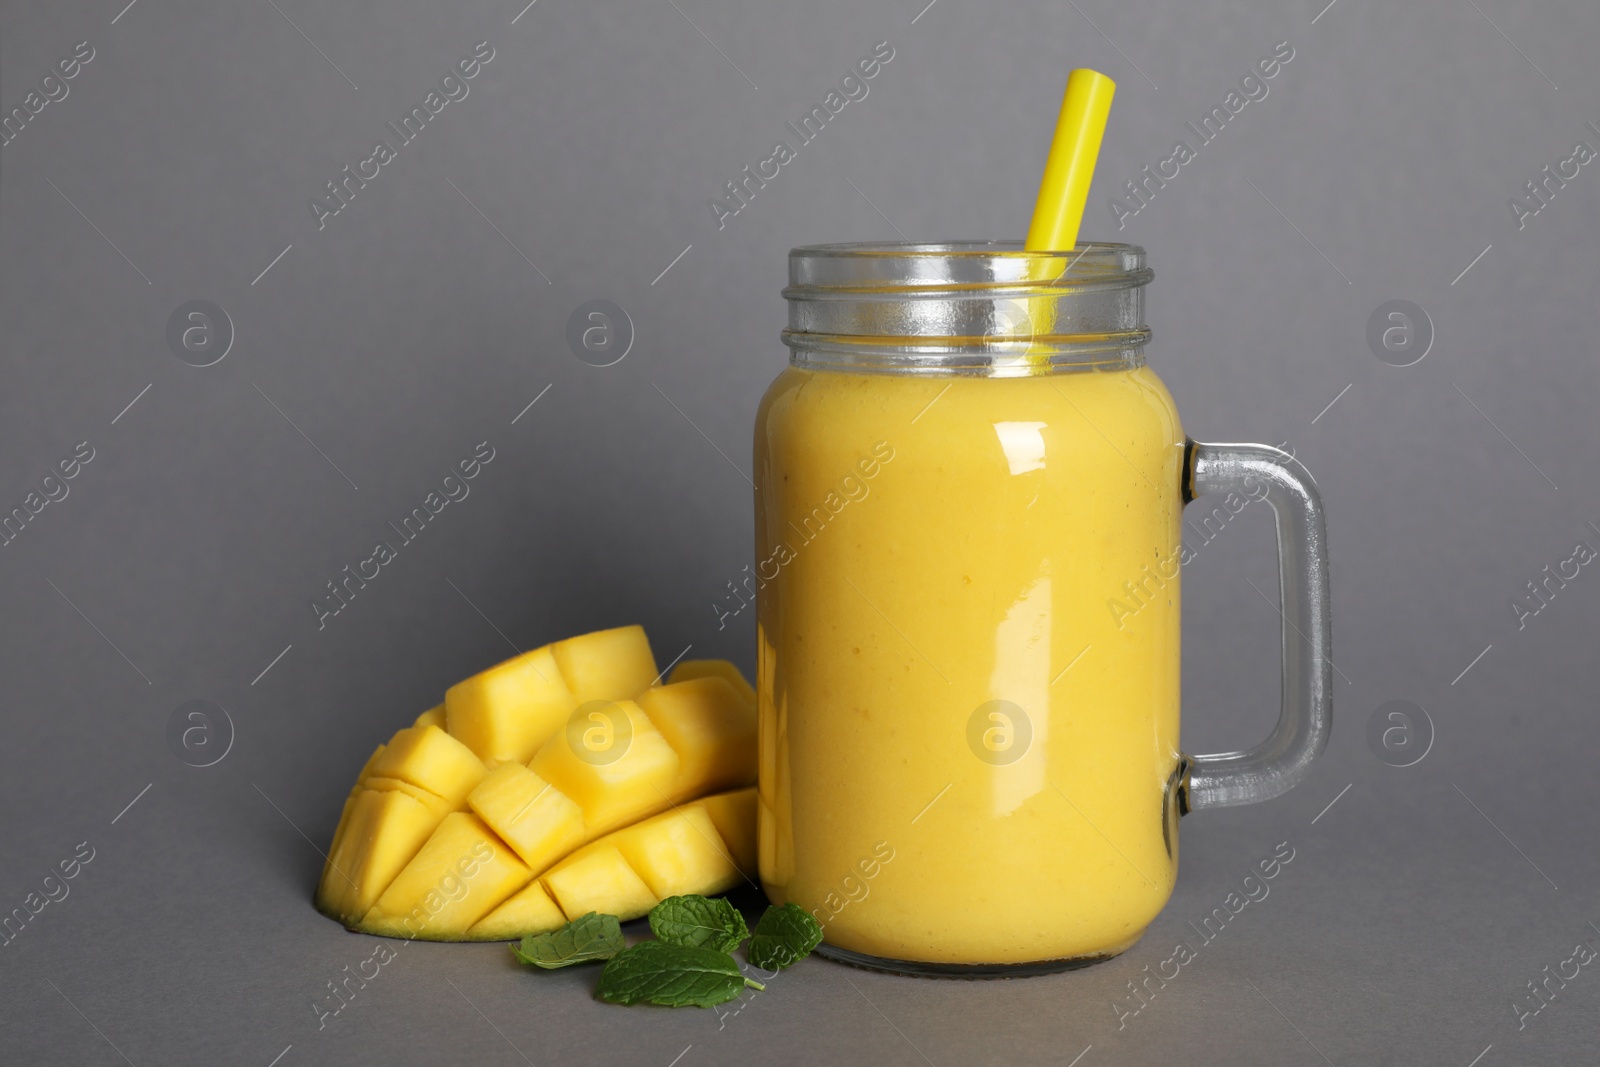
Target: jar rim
{"x":961,"y":264}
{"x":966,"y":307}
{"x":957,"y":247}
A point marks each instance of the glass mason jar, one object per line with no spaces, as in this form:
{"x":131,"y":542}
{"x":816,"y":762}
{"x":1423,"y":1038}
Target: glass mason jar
{"x":969,"y":500}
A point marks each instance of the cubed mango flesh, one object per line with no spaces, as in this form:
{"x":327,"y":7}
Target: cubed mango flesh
{"x":598,"y":878}
{"x":462,"y":873}
{"x":344,"y":814}
{"x":385,"y":830}
{"x":710,"y":727}
{"x":372,"y":761}
{"x":509,"y":710}
{"x":715,"y":668}
{"x":613,"y":762}
{"x":734,"y":816}
{"x":538,"y":821}
{"x":629,"y":871}
{"x":677,"y":852}
{"x":428,"y":757}
{"x":607,"y":664}
{"x":528,"y":911}
{"x":563,"y":781}
{"x":440,"y":805}
{"x":328,"y":884}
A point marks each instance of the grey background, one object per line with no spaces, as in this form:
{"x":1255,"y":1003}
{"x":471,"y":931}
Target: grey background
{"x":187,"y":553}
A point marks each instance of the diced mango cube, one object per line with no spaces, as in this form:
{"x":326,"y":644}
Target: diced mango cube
{"x":323,"y":885}
{"x":715,"y":668}
{"x":734,"y":816}
{"x":372,"y":761}
{"x":432,"y":717}
{"x":621,"y":769}
{"x":710,"y":727}
{"x":677,"y":852}
{"x":384,"y":831}
{"x":462,"y":873}
{"x":349,"y":801}
{"x":509,"y":710}
{"x":607,"y":664}
{"x":428,"y":757}
{"x":438,"y":804}
{"x":536,"y":819}
{"x":597,"y":878}
{"x":528,"y":911}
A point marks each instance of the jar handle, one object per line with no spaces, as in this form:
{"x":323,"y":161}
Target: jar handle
{"x":1281,"y":761}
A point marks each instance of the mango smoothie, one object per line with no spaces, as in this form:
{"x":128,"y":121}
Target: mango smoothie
{"x":968,"y":643}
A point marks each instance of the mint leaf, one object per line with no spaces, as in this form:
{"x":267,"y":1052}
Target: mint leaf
{"x":783,"y":936}
{"x":590,"y":937}
{"x":656,"y":972}
{"x":699,"y":923}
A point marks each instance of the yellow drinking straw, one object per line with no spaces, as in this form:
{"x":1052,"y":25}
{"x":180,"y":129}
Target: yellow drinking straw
{"x":1064,"y":189}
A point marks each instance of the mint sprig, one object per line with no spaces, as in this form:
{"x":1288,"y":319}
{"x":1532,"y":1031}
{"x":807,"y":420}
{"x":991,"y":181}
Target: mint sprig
{"x":657,"y":972}
{"x":783,"y":936}
{"x":589,"y":937}
{"x":697,"y":922}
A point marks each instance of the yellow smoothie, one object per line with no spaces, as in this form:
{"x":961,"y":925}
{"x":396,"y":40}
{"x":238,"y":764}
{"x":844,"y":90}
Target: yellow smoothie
{"x":968,"y":676}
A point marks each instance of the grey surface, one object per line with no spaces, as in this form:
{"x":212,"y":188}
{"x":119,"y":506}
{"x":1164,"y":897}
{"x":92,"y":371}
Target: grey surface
{"x":408,"y":330}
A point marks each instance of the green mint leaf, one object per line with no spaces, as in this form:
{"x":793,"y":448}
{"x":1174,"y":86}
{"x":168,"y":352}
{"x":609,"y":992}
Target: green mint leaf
{"x":656,"y":972}
{"x":783,"y":936}
{"x":591,"y":937}
{"x":699,"y":923}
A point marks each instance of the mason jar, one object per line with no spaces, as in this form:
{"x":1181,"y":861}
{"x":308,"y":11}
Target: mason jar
{"x":970,"y":489}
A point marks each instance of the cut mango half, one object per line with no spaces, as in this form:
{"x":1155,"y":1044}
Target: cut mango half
{"x":562,"y":781}
{"x":630,"y":871}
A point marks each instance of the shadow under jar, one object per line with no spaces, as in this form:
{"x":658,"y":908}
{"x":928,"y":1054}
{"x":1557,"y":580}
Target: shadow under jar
{"x":969,"y":497}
